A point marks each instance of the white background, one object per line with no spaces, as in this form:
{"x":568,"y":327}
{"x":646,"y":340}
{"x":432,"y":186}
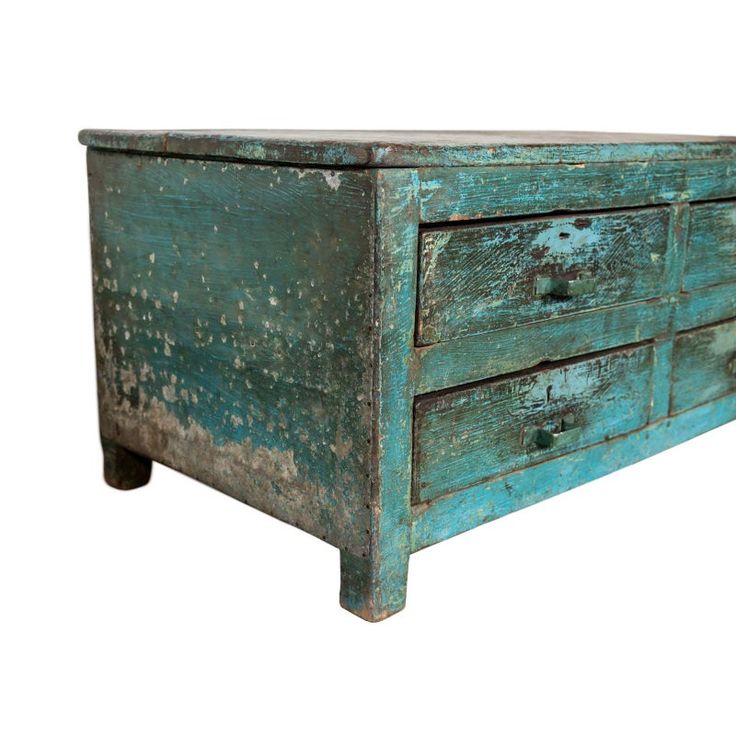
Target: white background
{"x":174,"y":609}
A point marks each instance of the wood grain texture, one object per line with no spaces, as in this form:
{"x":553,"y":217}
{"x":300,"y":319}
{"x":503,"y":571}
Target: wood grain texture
{"x":711,"y":248}
{"x":477,"y":357}
{"x":661,"y":379}
{"x":480,"y":278}
{"x":500,"y":191}
{"x":462,"y":437}
{"x":704,"y":306}
{"x":256,"y":325}
{"x":703,"y":365}
{"x":370,"y":148}
{"x":374,"y":586}
{"x":459,"y":512}
{"x":209,"y":279}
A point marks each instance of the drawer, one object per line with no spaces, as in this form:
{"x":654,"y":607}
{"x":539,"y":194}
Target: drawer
{"x":703,"y":365}
{"x":711,"y":248}
{"x":464,"y":436}
{"x":478,"y":278}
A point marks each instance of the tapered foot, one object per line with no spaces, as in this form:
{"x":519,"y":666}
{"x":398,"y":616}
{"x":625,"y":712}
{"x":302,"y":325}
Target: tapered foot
{"x":369,"y":590}
{"x":124,"y":470}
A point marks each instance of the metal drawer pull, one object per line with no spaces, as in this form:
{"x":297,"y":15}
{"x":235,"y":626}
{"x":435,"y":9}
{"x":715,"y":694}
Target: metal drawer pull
{"x":568,"y":433}
{"x":556,"y":286}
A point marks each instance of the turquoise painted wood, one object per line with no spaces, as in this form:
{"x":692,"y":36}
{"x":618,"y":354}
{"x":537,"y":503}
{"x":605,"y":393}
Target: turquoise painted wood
{"x":704,"y":306}
{"x":479,"y":504}
{"x":703,"y":365}
{"x":476,"y":357}
{"x":479,"y":278}
{"x":503,"y":191}
{"x":465,"y":436}
{"x":711,"y":247}
{"x":389,"y":338}
{"x":411,"y":149}
{"x":208,"y":280}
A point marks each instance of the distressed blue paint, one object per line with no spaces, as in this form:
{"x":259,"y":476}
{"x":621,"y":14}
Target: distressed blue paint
{"x":473,"y":193}
{"x":376,"y":587}
{"x":485,"y":502}
{"x":677,"y":246}
{"x":480,"y":278}
{"x":256,"y":324}
{"x":711,"y":248}
{"x":490,"y":354}
{"x":703,"y":306}
{"x":703,"y":365}
{"x":661,"y":379}
{"x":464,"y":436}
{"x":412,"y":148}
{"x":209,"y":279}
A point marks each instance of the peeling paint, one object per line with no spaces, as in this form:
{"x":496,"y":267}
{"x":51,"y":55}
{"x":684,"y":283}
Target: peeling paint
{"x":175,"y":367}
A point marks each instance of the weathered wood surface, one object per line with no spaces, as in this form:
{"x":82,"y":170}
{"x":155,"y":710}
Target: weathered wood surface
{"x":499,"y":191}
{"x":450,"y":515}
{"x":124,"y":470}
{"x":703,"y":365}
{"x":711,"y":248}
{"x":233,"y":321}
{"x":661,"y":379}
{"x":374,"y":587}
{"x":462,"y":437}
{"x":704,"y":306}
{"x":256,"y":324}
{"x":412,"y":148}
{"x":479,"y":278}
{"x":486,"y":355}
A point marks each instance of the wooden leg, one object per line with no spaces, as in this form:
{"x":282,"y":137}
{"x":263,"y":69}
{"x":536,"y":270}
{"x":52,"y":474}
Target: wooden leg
{"x":369,"y":590}
{"x":124,"y":469}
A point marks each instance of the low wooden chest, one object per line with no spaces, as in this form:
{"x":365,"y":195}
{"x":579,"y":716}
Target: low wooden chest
{"x":386,"y":339}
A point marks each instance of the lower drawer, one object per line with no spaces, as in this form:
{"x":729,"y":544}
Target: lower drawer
{"x":464,"y":436}
{"x":703,"y":365}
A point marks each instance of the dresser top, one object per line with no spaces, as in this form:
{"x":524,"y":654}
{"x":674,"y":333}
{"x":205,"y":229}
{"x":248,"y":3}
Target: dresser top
{"x":392,"y":148}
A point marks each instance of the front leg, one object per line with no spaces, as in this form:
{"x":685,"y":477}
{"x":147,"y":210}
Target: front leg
{"x":124,"y":469}
{"x":371,"y":588}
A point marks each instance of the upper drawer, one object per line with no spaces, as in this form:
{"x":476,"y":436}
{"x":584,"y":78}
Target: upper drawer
{"x":703,"y":365}
{"x":711,"y":249}
{"x":465,"y":436}
{"x":478,"y":278}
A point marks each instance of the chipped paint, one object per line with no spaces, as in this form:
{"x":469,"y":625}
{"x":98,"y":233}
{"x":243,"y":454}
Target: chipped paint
{"x":482,"y":278}
{"x":189,"y":377}
{"x":306,"y":410}
{"x":333,"y":179}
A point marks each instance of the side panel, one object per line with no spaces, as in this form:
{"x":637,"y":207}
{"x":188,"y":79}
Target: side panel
{"x":233,"y":311}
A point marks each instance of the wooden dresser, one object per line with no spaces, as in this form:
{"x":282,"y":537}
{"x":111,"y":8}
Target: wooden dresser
{"x":389,"y":338}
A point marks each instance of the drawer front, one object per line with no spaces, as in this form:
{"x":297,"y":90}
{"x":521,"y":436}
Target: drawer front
{"x":465,"y":436}
{"x":478,"y":278}
{"x":711,"y":250}
{"x":703,"y":365}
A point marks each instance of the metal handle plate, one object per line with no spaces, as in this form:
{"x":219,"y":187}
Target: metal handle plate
{"x":568,"y":432}
{"x":556,"y":286}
